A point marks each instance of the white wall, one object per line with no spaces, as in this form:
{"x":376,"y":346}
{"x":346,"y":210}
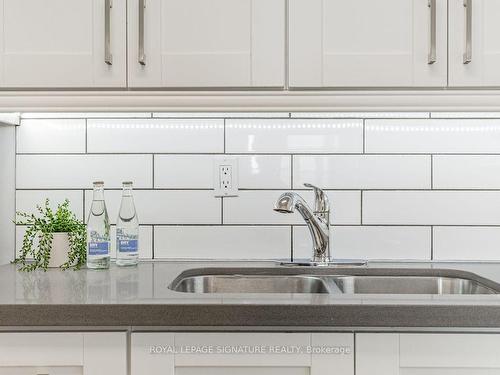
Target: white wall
{"x":401,"y":185}
{"x":7,"y":191}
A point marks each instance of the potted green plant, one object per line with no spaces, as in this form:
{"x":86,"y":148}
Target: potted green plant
{"x":52,"y":239}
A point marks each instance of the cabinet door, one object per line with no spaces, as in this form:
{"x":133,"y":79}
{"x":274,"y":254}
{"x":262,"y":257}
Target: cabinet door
{"x":366,"y":43}
{"x":62,"y":43}
{"x":93,"y":353}
{"x":200,"y":44}
{"x":427,"y":354}
{"x":474,"y":37}
{"x":241,"y":354}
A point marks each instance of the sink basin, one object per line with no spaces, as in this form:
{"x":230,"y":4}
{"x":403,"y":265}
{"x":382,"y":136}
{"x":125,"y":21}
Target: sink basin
{"x":250,"y":284}
{"x":338,"y":281}
{"x":407,"y":285}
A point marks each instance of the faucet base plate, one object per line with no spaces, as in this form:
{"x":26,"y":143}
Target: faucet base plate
{"x":333,"y":263}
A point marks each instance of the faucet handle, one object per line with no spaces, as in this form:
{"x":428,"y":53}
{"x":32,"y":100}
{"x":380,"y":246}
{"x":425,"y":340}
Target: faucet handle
{"x":321,"y":202}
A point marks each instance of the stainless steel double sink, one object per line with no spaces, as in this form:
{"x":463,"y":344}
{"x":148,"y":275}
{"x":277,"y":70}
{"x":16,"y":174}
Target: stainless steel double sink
{"x":335,"y":281}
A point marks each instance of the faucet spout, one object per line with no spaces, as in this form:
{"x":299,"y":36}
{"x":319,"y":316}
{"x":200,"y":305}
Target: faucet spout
{"x":318,"y":222}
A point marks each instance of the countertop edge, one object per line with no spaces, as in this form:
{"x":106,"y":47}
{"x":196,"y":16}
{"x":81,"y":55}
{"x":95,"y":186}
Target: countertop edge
{"x":209,"y":315}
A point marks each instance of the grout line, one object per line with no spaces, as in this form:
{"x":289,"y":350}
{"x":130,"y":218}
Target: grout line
{"x":432,"y":173}
{"x":153,"y":165}
{"x":221,"y":210}
{"x":191,"y":189}
{"x":300,"y":225}
{"x":266,"y":153}
{"x":432,"y":242}
{"x":153,"y":235}
{"x":224,"y":135}
{"x":291,"y":243}
{"x":364,"y":136}
{"x":83,"y":209}
{"x":86,"y":135}
{"x":361,"y":209}
{"x":292,"y":157}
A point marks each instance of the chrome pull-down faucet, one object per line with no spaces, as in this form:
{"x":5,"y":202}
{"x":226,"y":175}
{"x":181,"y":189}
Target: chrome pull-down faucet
{"x":318,"y":221}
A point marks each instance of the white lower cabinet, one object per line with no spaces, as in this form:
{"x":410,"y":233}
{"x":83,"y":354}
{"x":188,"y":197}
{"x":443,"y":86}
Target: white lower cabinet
{"x":242,"y":353}
{"x":427,"y":354}
{"x":68,"y":353}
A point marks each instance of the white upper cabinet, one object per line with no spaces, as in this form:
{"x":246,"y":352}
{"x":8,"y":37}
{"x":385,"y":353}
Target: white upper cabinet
{"x":367,"y":43}
{"x":62,"y":43}
{"x":474,"y":43}
{"x":200,"y":43}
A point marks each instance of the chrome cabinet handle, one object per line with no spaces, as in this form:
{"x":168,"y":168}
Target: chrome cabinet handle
{"x":468,"y":31}
{"x":142,"y":56}
{"x":108,"y":57}
{"x":431,"y":59}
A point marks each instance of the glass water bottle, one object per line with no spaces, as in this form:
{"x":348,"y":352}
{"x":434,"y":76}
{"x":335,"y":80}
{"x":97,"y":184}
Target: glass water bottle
{"x":98,"y":231}
{"x":127,"y":230}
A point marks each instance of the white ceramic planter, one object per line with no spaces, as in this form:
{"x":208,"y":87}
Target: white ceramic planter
{"x":60,"y":249}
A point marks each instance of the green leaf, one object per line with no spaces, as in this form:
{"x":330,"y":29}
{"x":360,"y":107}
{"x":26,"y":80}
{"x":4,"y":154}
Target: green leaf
{"x":43,"y":226}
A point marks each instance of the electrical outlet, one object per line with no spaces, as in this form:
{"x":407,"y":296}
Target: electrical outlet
{"x":226,"y":177}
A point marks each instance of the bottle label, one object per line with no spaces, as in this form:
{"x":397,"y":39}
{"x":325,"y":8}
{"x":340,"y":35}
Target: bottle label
{"x":128,"y":246}
{"x":99,"y":248}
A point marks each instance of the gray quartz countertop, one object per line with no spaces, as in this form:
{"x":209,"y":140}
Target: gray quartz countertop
{"x":139,"y":297}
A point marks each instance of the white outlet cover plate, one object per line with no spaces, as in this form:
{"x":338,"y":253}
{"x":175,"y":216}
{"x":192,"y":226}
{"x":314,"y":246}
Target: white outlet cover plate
{"x":232,"y":191}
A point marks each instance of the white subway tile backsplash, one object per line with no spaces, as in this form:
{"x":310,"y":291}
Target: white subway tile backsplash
{"x":294,"y":136}
{"x":51,"y":136}
{"x":265,"y":171}
{"x":79,"y":171}
{"x":165,"y":206}
{"x":54,"y":115}
{"x":367,"y":115}
{"x":431,"y":207}
{"x":478,"y":115}
{"x":466,"y":243}
{"x":256,"y":207}
{"x":466,"y":172}
{"x":196,"y":171}
{"x":222,"y":242}
{"x":363,"y":171}
{"x":221,"y":114}
{"x":390,"y":175}
{"x":155,"y":136}
{"x":369,"y":242}
{"x":27,"y":200}
{"x":459,"y":136}
{"x":184,"y":171}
